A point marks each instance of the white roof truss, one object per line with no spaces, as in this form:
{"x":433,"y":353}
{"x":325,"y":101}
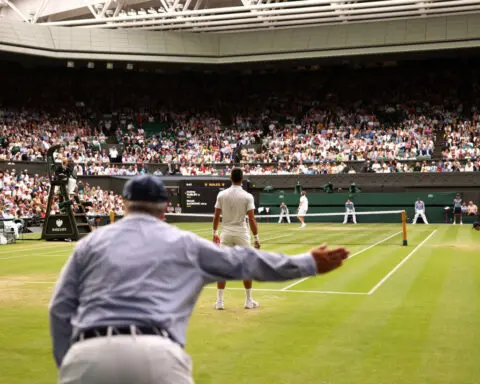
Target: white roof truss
{"x":236,"y":15}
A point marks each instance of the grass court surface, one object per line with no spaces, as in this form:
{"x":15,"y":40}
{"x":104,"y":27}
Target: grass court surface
{"x":392,"y":314}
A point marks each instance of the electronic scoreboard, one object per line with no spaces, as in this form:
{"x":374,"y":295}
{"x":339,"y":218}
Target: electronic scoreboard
{"x":200,"y":196}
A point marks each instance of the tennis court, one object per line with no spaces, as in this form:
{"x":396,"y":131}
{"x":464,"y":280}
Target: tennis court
{"x":392,"y":314}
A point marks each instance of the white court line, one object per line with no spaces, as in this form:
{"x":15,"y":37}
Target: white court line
{"x":294,"y":283}
{"x":389,"y":274}
{"x":295,"y":291}
{"x":355,"y":254}
{"x":373,"y":245}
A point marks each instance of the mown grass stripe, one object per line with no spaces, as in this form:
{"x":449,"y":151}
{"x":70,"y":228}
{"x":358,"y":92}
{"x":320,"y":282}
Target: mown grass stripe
{"x":451,"y":355}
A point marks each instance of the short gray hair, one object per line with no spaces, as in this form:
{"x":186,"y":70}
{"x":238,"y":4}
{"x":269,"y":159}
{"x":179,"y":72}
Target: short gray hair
{"x":148,"y":207}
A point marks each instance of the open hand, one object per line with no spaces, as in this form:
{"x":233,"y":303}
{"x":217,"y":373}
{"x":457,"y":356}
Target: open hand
{"x":328,"y":260}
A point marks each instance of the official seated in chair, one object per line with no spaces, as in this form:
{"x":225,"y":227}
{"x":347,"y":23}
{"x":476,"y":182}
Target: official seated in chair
{"x":10,"y":224}
{"x":472,"y":209}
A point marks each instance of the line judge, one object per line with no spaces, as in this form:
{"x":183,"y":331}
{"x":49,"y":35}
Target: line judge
{"x":349,"y":211}
{"x":284,"y":212}
{"x":419,"y":211}
{"x":121,"y":305}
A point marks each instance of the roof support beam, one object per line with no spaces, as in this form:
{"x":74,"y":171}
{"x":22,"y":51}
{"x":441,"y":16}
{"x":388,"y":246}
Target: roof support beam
{"x":187,"y":4}
{"x":39,"y":10}
{"x":175,"y":5}
{"x":273,"y":6}
{"x":16,"y":10}
{"x":165,"y":6}
{"x":118,"y":8}
{"x":248,"y":3}
{"x":198,"y":4}
{"x":89,"y":6}
{"x":250,"y":21}
{"x":105,"y":7}
{"x":254,"y":14}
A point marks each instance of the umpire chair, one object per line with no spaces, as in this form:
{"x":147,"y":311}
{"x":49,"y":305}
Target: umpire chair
{"x":65,"y":225}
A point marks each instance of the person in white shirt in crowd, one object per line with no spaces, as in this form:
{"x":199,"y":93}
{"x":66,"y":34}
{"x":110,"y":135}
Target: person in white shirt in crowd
{"x":284,"y":213}
{"x":350,"y":211}
{"x":303,"y":209}
{"x":376,"y":167}
{"x":78,"y":169}
{"x":420,"y":211}
{"x":469,"y":167}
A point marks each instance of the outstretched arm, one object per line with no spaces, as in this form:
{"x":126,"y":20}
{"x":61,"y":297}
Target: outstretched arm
{"x":245,"y":263}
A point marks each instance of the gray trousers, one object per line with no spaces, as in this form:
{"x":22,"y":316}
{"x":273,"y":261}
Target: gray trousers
{"x":126,"y":359}
{"x":282,"y":215}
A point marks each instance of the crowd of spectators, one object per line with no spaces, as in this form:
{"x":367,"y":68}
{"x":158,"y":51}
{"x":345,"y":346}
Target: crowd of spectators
{"x":334,"y":167}
{"x":23,"y":195}
{"x":102,"y":202}
{"x":308,"y":123}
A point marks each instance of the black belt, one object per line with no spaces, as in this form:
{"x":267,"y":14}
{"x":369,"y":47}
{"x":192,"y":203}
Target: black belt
{"x":104,"y":331}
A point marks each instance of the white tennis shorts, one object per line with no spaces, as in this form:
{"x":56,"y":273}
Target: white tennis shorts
{"x":302,"y":212}
{"x":233,"y":239}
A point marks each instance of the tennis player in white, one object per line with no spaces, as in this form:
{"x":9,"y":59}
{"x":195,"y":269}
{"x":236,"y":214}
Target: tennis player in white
{"x":302,"y":209}
{"x":234,"y":204}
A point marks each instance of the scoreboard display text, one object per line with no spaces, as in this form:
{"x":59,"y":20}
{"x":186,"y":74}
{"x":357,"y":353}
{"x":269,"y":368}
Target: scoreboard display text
{"x":200,"y":195}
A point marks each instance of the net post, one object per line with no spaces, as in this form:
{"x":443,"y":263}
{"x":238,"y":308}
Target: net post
{"x":404,"y":228}
{"x":112,"y":217}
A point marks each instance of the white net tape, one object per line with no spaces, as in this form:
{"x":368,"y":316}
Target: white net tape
{"x":207,"y":215}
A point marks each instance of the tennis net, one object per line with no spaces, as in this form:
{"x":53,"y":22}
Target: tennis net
{"x":359,"y":228}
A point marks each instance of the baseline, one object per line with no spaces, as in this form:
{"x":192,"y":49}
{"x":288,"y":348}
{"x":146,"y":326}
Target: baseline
{"x":295,"y":291}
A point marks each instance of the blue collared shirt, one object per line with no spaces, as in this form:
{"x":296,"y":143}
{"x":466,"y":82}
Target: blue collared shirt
{"x":419,"y":206}
{"x":143,"y":271}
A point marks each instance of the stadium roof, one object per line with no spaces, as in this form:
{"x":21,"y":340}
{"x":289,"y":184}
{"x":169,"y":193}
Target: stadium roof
{"x":223,"y":16}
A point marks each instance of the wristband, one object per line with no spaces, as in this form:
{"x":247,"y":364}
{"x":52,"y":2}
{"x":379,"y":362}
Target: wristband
{"x":215,"y":232}
{"x":256,"y":237}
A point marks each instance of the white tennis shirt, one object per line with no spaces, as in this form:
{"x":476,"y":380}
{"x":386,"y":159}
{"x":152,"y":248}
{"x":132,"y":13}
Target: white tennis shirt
{"x":234,"y":203}
{"x":304,"y":203}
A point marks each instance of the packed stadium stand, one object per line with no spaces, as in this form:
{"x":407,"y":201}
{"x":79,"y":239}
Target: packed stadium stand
{"x":312,"y":122}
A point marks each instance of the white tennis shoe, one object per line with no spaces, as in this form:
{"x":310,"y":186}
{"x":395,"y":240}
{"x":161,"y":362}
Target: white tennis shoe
{"x":250,"y":304}
{"x":219,"y":305}
{"x":303,"y":225}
